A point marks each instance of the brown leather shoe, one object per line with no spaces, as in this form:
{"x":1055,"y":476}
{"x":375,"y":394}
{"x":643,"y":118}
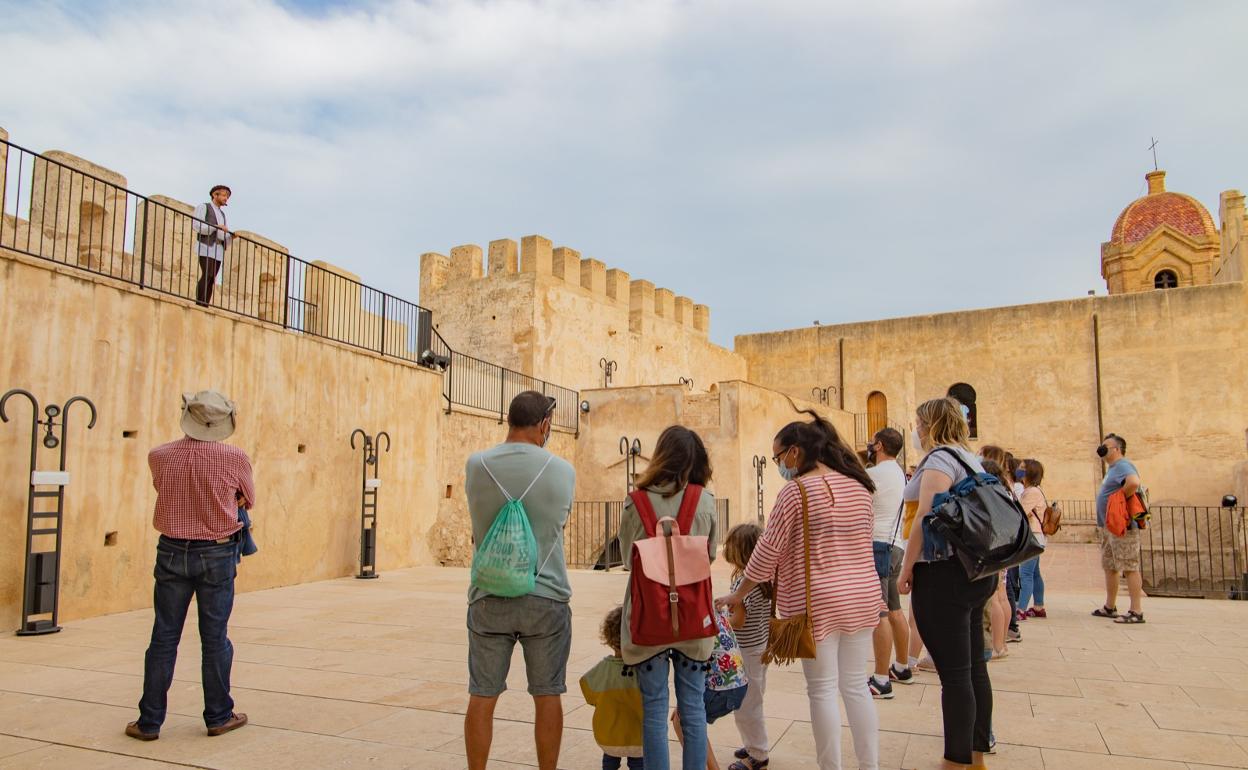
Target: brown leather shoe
{"x":235,"y":721}
{"x":133,"y":731}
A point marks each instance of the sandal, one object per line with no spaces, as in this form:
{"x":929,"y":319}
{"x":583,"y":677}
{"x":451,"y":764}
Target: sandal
{"x":1131,"y":617}
{"x":748,"y":763}
{"x":1106,"y":612}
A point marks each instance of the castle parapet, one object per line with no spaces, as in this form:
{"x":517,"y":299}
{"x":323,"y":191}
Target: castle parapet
{"x":537,"y":255}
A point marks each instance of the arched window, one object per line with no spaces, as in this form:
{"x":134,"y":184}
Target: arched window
{"x":1165,"y":279}
{"x":877,"y":413}
{"x":965,"y":395}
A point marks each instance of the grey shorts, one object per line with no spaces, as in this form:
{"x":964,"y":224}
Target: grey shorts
{"x":888,"y":585}
{"x":542,"y":626}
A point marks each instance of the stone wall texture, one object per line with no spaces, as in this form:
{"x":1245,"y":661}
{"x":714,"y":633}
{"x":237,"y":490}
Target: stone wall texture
{"x":1171,"y":366}
{"x":133,"y":353}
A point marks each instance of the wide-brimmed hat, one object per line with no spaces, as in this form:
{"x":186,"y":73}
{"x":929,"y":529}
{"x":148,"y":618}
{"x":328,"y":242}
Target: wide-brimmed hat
{"x":207,"y":415}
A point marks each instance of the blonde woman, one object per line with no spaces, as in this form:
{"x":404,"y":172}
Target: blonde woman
{"x":948,"y":607}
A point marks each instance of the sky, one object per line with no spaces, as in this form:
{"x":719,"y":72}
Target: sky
{"x":782,"y":162}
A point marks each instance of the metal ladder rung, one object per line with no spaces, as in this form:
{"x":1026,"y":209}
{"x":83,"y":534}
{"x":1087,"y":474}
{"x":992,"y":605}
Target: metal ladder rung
{"x":44,"y":531}
{"x":45,"y":493}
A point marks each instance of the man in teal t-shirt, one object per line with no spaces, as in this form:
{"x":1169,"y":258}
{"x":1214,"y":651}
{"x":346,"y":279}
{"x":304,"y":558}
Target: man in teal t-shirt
{"x":541,"y":621}
{"x":1119,"y":554}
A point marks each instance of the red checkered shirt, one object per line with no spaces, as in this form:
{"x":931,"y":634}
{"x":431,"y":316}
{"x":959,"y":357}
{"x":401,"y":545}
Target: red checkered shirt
{"x":195,"y":485}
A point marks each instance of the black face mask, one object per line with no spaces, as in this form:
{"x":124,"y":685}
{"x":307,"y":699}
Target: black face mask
{"x":870,"y":454}
{"x":1102,"y":450}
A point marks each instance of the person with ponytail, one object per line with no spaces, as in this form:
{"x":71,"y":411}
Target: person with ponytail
{"x":845,"y":602}
{"x":947,"y":605}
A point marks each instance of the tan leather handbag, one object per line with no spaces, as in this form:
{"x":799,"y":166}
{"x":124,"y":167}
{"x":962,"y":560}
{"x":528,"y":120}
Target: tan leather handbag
{"x":791,"y":639}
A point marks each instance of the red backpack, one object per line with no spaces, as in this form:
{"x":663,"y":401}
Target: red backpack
{"x":670,"y":584}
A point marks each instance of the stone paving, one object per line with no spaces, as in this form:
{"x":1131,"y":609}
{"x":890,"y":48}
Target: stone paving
{"x":351,"y":673}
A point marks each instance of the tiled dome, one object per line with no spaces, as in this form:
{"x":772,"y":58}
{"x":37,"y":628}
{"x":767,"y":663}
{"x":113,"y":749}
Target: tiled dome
{"x":1182,"y":212}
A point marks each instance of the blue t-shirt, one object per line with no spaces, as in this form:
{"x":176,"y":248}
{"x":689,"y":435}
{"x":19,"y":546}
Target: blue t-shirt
{"x":1115,"y":479}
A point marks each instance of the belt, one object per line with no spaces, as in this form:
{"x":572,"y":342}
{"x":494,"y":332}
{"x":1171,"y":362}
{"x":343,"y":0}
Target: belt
{"x":186,"y":543}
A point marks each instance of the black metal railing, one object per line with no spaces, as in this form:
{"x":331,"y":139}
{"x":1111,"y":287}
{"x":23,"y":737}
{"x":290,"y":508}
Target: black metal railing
{"x":866,"y":424}
{"x":591,"y":536}
{"x":77,"y":218}
{"x":1188,"y":550}
{"x":1185,"y":550}
{"x":1076,"y":511}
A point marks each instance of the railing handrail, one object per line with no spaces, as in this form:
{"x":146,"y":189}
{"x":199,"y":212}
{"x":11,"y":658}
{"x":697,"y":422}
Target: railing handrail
{"x":438,"y":344}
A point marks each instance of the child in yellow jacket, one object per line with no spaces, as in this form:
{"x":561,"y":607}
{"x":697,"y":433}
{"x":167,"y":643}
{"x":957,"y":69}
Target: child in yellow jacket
{"x":613,"y":692}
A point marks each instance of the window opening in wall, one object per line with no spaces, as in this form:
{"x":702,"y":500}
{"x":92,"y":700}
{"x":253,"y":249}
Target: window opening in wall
{"x":301,"y":448}
{"x":965,"y":395}
{"x":110,"y":538}
{"x":1165,"y":279}
{"x":129,"y":433}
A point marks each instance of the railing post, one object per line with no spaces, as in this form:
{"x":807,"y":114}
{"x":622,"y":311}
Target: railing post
{"x":143,"y":249}
{"x":502,"y":394}
{"x":383,"y":324}
{"x":286,"y":296}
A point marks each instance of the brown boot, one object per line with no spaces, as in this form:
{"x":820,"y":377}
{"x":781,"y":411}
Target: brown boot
{"x":133,"y":731}
{"x":233,"y":723}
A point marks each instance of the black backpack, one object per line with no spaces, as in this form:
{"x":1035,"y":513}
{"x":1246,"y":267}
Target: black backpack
{"x":983,"y":522}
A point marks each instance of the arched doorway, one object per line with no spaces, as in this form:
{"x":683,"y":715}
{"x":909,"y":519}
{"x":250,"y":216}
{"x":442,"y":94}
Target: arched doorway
{"x":877,"y":413}
{"x":965,"y":395}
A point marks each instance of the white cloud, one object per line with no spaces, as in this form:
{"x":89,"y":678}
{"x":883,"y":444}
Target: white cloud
{"x":979,"y":150}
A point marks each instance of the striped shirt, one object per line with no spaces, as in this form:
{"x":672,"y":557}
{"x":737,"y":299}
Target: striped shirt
{"x":845,"y":590}
{"x":753,"y":635}
{"x":195,"y":486}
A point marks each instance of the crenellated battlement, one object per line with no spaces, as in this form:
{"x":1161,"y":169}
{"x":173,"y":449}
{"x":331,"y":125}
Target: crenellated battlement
{"x":536,"y":254}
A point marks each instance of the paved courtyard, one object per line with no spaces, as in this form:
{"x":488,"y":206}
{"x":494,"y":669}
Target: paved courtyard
{"x":353,"y":673}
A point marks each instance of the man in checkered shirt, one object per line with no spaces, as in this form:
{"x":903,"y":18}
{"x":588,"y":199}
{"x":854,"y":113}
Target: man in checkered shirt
{"x":200,"y":483}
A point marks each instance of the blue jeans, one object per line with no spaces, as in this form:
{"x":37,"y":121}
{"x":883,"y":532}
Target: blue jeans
{"x":205,"y":570}
{"x":1031,"y":582}
{"x":613,"y":763}
{"x":690,"y":685}
{"x":1011,"y":591}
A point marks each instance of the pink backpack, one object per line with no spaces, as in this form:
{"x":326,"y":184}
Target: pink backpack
{"x":670,"y":584}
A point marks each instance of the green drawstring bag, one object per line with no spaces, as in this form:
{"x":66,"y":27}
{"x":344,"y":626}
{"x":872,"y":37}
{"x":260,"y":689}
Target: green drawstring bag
{"x":505,"y":563}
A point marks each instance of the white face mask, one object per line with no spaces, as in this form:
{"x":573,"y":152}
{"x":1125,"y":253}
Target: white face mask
{"x":918,"y":442}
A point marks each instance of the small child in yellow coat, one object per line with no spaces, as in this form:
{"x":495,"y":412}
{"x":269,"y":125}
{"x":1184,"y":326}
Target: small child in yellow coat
{"x":616,"y":699}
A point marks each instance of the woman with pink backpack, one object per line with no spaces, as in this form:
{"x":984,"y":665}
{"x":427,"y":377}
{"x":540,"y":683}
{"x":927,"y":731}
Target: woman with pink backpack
{"x":668,"y":609}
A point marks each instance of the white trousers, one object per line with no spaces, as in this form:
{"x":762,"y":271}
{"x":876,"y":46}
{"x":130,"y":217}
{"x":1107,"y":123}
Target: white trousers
{"x":840,"y":664}
{"x":749,"y":718}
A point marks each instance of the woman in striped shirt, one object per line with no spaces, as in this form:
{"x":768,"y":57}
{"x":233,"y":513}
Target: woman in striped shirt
{"x":845,"y":601}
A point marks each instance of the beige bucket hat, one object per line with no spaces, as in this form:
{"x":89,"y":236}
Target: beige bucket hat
{"x":207,"y":415}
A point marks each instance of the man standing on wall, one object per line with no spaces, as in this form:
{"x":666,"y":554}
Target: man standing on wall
{"x":211,"y":236}
{"x":522,"y":469}
{"x":200,"y":484}
{"x":1119,"y":553}
{"x":893,"y":631}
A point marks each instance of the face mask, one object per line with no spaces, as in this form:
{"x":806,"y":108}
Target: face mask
{"x":545,"y":438}
{"x":786,"y":473}
{"x":1102,"y":450}
{"x":1020,"y":474}
{"x":914,"y":435}
{"x":870,"y":454}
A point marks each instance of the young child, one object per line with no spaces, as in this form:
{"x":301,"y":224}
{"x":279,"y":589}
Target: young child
{"x":616,"y":699}
{"x":726,"y":683}
{"x":750,"y":622}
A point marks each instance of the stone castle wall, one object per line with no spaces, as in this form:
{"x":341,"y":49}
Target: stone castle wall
{"x":1171,"y":369}
{"x":549,"y":313}
{"x":133,"y":353}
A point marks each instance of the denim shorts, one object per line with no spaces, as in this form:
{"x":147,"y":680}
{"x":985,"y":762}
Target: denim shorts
{"x":542,"y":626}
{"x":721,"y":703}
